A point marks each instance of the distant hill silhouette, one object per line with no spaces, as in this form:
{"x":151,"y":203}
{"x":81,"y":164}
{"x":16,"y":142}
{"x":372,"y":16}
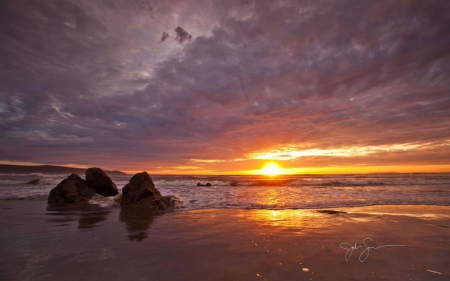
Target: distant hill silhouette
{"x":47,"y":169}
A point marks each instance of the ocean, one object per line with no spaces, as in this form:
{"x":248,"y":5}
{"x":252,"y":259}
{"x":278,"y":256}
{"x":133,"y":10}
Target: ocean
{"x":239,"y":228}
{"x":260,"y":192}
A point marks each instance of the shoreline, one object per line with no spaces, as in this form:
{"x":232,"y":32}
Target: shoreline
{"x":363,"y":209}
{"x":102,"y":205}
{"x":89,"y":242}
{"x":312,"y":208}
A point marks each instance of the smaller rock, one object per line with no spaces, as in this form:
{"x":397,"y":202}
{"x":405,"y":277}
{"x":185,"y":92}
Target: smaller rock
{"x":99,"y":180}
{"x":71,"y":190}
{"x":36,"y":181}
{"x":331,"y":212}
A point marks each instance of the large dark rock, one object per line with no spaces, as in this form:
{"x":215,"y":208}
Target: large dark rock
{"x":141,"y":191}
{"x":71,"y":190}
{"x":97,"y":179}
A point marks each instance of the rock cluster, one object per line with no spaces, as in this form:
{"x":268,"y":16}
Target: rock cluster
{"x":140,"y":191}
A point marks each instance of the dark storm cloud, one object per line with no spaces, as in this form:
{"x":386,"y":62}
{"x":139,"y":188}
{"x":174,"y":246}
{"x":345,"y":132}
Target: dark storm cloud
{"x":267,"y":74}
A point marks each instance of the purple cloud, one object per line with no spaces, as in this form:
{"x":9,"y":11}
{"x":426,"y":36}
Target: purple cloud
{"x":82,"y":85}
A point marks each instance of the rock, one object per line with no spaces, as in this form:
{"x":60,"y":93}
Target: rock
{"x":71,"y":190}
{"x":331,"y":212}
{"x":97,"y":179}
{"x":141,"y":191}
{"x":200,"y":184}
{"x":36,"y":181}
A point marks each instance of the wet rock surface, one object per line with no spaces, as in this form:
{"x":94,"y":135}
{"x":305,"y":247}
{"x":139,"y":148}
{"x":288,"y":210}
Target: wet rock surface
{"x":71,"y":190}
{"x":141,"y":191}
{"x":101,"y":182}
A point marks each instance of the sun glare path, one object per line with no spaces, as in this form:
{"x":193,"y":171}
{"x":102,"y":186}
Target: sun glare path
{"x":271,"y":169}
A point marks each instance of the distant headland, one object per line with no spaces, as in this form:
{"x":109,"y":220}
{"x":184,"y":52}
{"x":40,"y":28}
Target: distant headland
{"x":46,"y":169}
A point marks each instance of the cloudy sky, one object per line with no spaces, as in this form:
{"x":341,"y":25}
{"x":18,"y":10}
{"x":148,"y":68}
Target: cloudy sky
{"x":204,"y":86}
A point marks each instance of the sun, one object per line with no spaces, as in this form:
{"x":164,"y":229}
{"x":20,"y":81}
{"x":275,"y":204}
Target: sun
{"x":271,"y":169}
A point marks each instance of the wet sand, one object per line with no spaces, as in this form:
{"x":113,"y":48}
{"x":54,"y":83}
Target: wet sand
{"x":87,"y":242}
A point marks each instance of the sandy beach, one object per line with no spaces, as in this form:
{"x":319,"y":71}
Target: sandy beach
{"x":88,"y":242}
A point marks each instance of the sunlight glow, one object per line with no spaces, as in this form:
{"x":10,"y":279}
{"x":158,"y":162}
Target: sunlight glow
{"x":271,"y":169}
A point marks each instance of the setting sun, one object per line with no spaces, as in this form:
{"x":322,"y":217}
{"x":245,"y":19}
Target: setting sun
{"x":271,"y":169}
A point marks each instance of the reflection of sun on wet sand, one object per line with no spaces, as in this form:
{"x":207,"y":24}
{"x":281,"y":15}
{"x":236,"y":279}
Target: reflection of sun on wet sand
{"x":222,"y":244}
{"x":288,"y":219}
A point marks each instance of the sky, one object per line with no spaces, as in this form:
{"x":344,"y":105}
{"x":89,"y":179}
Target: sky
{"x":224,"y":87}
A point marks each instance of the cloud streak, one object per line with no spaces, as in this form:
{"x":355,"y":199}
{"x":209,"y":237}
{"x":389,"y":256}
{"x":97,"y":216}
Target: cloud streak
{"x":292,"y":152}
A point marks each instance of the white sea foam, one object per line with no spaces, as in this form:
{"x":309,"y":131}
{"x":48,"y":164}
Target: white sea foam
{"x":106,"y":201}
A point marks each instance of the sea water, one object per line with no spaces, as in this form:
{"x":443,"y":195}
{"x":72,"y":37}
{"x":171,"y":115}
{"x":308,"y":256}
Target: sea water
{"x":261,"y":192}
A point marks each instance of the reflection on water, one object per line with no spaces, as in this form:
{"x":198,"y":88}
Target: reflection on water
{"x":295,"y":220}
{"x":213,"y":244}
{"x":277,"y":197}
{"x":88,"y":215}
{"x":138,"y":221}
{"x":271,"y":197}
{"x":90,"y":219}
{"x":419,"y":211}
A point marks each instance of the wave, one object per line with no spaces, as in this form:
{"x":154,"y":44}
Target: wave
{"x":24,"y":197}
{"x":257,"y":192}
